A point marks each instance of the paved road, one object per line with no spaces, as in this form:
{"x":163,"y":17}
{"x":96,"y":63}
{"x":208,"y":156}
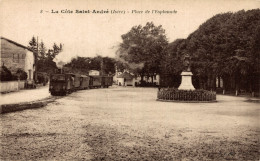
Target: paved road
{"x":127,"y":123}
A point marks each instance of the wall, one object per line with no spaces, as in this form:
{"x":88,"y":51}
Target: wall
{"x":120,"y":81}
{"x":129,"y":82}
{"x":29,"y":61}
{"x":11,"y":86}
{"x":115,"y":79}
{"x":12,"y":56}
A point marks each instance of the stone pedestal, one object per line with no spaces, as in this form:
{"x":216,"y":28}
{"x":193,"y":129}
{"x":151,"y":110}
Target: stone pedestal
{"x":186,"y":83}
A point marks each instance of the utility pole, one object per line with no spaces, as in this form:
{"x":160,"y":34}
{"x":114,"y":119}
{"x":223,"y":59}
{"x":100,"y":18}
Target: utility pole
{"x":101,"y":66}
{"x":36,"y":61}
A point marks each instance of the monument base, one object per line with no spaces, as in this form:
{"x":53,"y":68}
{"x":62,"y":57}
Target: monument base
{"x":186,"y":83}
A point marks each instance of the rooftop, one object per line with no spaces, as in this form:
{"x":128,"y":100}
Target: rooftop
{"x":15,"y":43}
{"x":125,"y":75}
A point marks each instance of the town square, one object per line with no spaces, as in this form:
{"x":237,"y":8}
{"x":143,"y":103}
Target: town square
{"x":130,"y":80}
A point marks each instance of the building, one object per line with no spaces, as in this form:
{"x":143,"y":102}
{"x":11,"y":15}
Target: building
{"x":115,"y":79}
{"x":125,"y":79}
{"x":152,"y":80}
{"x":15,"y":56}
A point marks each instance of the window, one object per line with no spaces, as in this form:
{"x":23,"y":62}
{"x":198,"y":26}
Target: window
{"x":58,"y":77}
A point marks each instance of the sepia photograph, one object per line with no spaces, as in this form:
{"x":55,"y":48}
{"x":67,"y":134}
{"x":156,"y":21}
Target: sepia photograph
{"x":142,"y":80}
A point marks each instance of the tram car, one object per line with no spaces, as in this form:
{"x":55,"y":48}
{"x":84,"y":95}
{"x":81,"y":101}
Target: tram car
{"x":84,"y":82}
{"x":63,"y":84}
{"x":95,"y":81}
{"x":106,"y":81}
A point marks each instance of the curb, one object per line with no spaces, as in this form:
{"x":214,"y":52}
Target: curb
{"x":7,"y":108}
{"x":162,"y":100}
{"x":252,"y":100}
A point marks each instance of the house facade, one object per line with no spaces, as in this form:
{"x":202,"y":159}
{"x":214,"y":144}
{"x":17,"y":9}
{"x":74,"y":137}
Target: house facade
{"x":115,"y":79}
{"x":125,"y":79}
{"x":155,"y":80}
{"x":129,"y":79}
{"x":15,"y":56}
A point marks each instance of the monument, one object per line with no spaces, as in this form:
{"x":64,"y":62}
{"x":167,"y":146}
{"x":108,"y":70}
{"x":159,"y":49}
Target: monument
{"x":186,"y":91}
{"x":186,"y":81}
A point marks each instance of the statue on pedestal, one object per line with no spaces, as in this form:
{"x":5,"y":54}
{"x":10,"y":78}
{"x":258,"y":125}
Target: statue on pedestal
{"x":186,"y":83}
{"x":187,"y":63}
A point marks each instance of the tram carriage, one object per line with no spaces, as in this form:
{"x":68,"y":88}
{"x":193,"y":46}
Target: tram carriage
{"x":84,"y":83}
{"x":106,"y":81}
{"x":95,"y":81}
{"x":62,"y":84}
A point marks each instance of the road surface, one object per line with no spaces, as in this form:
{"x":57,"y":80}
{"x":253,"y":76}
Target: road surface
{"x":124,"y":123}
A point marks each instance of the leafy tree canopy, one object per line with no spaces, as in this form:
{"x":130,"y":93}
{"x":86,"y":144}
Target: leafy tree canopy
{"x":44,"y":57}
{"x":142,"y":47}
{"x":226,"y":45}
{"x":83,"y":65}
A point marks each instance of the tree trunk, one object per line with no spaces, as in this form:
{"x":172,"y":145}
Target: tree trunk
{"x":142,"y":79}
{"x":218,"y":81}
{"x":237,"y":85}
{"x":252,"y":86}
{"x":200,"y":83}
{"x":205,"y":83}
{"x":213,"y":82}
{"x":209,"y":82}
{"x":224,"y":85}
{"x":233,"y":83}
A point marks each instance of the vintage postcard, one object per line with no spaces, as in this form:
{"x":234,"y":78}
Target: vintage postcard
{"x":130,"y":80}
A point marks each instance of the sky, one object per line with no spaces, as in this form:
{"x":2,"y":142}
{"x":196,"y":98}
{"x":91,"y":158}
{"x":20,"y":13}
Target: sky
{"x":89,"y":34}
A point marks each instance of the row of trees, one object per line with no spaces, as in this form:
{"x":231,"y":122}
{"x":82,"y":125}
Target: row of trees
{"x":44,"y":57}
{"x":226,"y":46}
{"x":140,"y":52}
{"x":82,"y":65}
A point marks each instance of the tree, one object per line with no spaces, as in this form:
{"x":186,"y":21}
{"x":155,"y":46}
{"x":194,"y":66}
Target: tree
{"x":33,"y":44}
{"x":6,"y":74}
{"x":50,"y":55}
{"x":171,"y":64}
{"x":44,"y":57}
{"x":80,"y":65}
{"x":108,"y":65}
{"x":21,"y":74}
{"x":42,"y":50}
{"x":225,"y":46}
{"x":61,"y":47}
{"x":142,"y":48}
{"x":171,"y":61}
{"x":83,"y":65}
